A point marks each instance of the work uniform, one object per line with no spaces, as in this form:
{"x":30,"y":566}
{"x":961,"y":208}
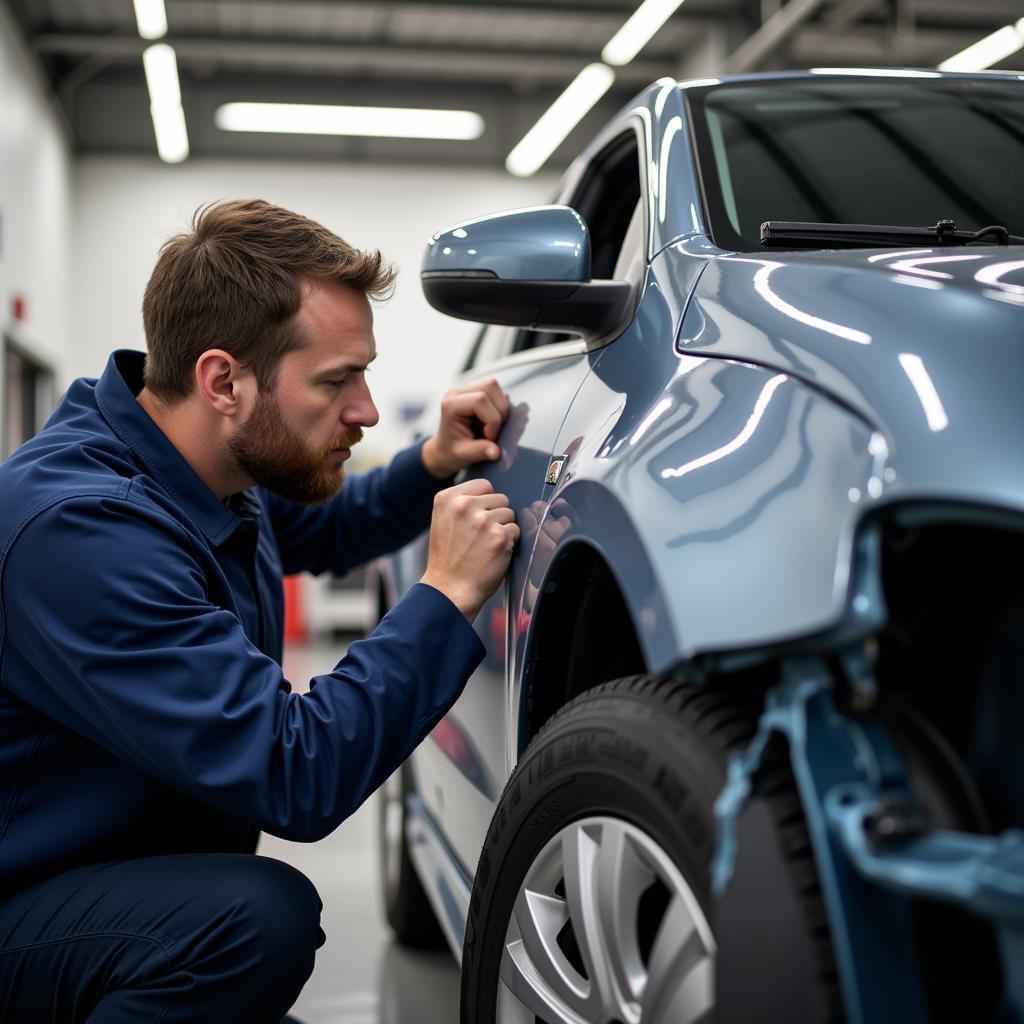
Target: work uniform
{"x":147,"y":733}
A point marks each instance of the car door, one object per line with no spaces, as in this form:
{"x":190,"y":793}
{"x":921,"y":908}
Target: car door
{"x":462,"y":768}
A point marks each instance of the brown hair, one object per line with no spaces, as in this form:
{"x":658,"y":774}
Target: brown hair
{"x":234,"y":282}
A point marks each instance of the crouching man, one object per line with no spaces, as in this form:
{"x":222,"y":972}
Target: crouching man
{"x":147,"y":733}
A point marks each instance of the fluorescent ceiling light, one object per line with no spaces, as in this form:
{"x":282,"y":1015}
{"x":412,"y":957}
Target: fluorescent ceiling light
{"x":638,"y":30}
{"x":151,"y":18}
{"x":162,"y":75}
{"x":320,"y":119}
{"x":988,"y":51}
{"x":171,"y":136}
{"x":876,"y":72}
{"x":165,"y":102}
{"x":559,"y":119}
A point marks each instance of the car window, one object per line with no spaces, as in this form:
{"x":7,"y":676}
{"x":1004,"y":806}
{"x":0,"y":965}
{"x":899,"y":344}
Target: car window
{"x":632,"y":255}
{"x":859,"y":152}
{"x":609,"y":199}
{"x":493,"y":342}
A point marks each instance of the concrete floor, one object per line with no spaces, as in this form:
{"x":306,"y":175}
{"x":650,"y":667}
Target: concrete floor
{"x":361,"y":976}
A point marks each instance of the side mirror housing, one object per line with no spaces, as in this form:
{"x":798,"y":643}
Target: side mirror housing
{"x":525,"y":268}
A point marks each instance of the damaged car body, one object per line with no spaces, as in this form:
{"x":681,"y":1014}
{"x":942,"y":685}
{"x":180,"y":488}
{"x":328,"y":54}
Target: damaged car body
{"x":745,"y":744}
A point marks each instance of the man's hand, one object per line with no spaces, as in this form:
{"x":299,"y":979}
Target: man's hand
{"x":472,"y":534}
{"x":471,"y":419}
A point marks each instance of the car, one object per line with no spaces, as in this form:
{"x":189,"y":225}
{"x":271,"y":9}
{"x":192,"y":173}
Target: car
{"x":745,"y":743}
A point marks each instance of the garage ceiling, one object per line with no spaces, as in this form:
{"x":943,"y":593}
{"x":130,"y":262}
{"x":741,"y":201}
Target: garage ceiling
{"x":506,"y":59}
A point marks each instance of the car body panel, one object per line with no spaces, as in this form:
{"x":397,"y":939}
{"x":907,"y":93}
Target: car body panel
{"x":657,"y":116}
{"x":549,"y":243}
{"x":895,"y":337}
{"x":449,"y":787}
{"x":726,"y":456}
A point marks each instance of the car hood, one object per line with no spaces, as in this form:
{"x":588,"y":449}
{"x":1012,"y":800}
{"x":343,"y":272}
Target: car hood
{"x":927,"y":345}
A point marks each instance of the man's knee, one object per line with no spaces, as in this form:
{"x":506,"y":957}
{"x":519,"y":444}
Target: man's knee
{"x":258,"y":929}
{"x":191,"y":937}
{"x":280,"y":915}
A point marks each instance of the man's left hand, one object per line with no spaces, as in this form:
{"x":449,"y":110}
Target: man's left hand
{"x":472,"y":416}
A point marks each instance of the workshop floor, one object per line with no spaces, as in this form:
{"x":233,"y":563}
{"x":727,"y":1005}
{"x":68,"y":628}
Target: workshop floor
{"x":361,"y":975}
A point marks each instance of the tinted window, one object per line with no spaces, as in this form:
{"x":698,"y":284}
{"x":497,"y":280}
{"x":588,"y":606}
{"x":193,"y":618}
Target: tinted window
{"x":491,"y":344}
{"x":861,"y":151}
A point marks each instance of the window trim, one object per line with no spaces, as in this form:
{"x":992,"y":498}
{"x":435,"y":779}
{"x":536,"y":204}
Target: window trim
{"x":567,"y":195}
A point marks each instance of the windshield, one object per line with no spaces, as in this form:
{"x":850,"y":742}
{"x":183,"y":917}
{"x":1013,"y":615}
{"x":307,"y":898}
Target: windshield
{"x":859,"y":151}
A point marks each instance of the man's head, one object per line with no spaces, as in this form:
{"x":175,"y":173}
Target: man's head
{"x":263,"y":316}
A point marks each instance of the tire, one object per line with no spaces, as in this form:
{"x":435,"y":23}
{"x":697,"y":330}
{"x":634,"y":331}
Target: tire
{"x":592,"y":896}
{"x":406,"y":906}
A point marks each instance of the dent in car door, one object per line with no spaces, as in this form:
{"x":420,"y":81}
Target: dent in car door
{"x":462,"y":767}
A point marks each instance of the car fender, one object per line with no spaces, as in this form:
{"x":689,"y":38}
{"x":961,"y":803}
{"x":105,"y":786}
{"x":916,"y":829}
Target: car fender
{"x":726,"y":507}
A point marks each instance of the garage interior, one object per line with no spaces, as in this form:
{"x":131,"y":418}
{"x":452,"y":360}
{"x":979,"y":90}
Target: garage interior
{"x":86,"y":200}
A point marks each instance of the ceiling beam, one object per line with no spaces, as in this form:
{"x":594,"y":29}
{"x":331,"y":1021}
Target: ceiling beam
{"x":874,"y":45}
{"x":410,"y":61}
{"x":580,"y":8}
{"x":773,"y":34}
{"x":844,"y":15}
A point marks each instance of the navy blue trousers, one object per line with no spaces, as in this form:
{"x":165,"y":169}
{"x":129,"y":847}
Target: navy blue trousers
{"x":214,"y":938}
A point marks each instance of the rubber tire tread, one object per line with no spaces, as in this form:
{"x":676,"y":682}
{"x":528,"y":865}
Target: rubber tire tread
{"x":723,"y":722}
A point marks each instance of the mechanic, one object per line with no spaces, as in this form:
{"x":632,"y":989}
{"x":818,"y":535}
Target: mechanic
{"x":147,"y":733}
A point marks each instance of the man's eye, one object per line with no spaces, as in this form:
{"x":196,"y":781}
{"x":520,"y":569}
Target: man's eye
{"x":335,"y":383}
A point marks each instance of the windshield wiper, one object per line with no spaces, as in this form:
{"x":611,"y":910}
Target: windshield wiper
{"x":789,"y":234}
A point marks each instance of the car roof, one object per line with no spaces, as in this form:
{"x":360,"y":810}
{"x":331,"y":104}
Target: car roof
{"x":861,"y":72}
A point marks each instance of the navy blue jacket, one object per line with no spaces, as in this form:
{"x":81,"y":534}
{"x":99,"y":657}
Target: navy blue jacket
{"x":143,"y":709}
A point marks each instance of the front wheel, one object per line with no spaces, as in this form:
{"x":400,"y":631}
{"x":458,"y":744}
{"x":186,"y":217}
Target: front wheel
{"x":592,"y":897}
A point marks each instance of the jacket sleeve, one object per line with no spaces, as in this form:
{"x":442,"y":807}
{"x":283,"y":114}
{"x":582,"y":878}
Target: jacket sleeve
{"x":374,"y":513}
{"x":109,"y":630}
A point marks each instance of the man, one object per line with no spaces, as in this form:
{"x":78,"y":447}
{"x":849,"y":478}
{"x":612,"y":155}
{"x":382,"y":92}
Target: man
{"x":147,"y":734}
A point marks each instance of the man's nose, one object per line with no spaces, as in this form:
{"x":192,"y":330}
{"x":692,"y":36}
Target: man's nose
{"x":362,"y":412}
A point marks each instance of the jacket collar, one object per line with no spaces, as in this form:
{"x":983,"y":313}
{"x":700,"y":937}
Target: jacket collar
{"x":115,"y":397}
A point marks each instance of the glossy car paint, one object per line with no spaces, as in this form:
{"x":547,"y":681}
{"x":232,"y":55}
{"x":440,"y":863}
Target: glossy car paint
{"x":724,"y":455}
{"x":733,"y":465}
{"x":549,"y":243}
{"x":925,"y":345}
{"x":461,"y":808}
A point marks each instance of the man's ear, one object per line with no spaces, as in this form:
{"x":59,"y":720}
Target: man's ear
{"x":222,"y":382}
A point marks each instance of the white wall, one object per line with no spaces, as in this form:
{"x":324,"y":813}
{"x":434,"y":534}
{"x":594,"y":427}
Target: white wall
{"x":35,"y":206}
{"x":78,"y":238}
{"x":127,"y":207}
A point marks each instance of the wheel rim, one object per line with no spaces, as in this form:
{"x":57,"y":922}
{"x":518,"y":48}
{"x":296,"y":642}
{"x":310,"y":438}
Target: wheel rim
{"x":605,"y":930}
{"x":392,"y":825}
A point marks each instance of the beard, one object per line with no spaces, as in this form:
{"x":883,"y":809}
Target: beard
{"x":278,"y":459}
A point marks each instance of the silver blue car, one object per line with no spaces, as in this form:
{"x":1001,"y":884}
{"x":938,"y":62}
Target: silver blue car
{"x":748,"y":742}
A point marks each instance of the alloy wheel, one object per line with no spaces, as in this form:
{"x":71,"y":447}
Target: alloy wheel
{"x":605,"y":930}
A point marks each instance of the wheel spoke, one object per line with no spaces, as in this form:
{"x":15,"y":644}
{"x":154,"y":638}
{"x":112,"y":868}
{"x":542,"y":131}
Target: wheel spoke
{"x":622,"y":878}
{"x":680,"y":981}
{"x":510,"y":1010}
{"x":540,"y":918}
{"x":692,"y":997}
{"x":580,"y":864}
{"x":519,"y":975}
{"x":607,"y":867}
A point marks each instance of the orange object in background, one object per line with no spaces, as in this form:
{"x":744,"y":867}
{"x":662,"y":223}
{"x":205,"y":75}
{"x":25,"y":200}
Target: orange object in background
{"x":296,"y":628}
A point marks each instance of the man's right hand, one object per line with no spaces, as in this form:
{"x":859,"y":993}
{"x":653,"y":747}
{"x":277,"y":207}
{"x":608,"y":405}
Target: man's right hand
{"x":472,"y":534}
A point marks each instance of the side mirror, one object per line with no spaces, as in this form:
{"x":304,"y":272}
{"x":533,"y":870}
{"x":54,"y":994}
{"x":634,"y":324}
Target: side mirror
{"x":525,"y":268}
